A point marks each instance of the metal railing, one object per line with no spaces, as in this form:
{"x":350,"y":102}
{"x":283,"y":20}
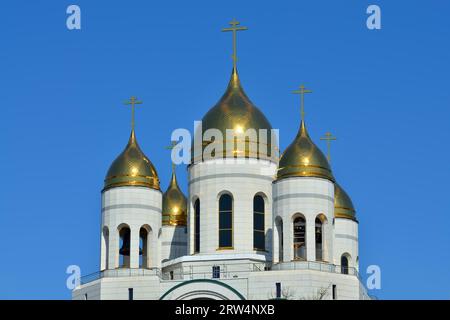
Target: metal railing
{"x":120,"y":272}
{"x":225,"y":271}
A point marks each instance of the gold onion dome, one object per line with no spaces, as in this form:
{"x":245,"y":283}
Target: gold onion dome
{"x":132,"y":168}
{"x":343,"y":205}
{"x":303,"y":158}
{"x":235,"y":111}
{"x":174,"y":210}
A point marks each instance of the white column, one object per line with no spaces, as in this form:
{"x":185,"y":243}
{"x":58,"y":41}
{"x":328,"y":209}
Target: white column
{"x":134,"y":247}
{"x":310,"y":239}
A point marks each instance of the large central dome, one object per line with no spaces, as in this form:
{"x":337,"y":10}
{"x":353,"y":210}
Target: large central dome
{"x":236,"y":112}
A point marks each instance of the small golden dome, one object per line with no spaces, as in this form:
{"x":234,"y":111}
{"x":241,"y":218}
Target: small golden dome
{"x":343,"y":205}
{"x":174,"y":210}
{"x":132,"y":168}
{"x":236,"y":112}
{"x":304,"y":159}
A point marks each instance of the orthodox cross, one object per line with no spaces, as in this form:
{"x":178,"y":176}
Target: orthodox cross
{"x":328,"y":137}
{"x":234,"y":28}
{"x":171,"y":147}
{"x":302,"y":92}
{"x":132,"y":102}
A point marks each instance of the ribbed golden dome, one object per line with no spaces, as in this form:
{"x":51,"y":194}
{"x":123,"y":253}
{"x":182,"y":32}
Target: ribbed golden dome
{"x":343,"y":205}
{"x":132,"y":168}
{"x":304,"y":159}
{"x":235,"y":111}
{"x":174,"y":210}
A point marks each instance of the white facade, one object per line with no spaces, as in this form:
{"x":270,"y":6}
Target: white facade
{"x":175,"y":271}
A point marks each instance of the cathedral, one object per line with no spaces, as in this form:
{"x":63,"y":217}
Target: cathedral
{"x":254,"y":225}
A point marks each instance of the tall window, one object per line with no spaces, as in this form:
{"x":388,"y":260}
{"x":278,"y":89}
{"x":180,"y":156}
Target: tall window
{"x":124,"y":245}
{"x":197,"y":226}
{"x":344,"y":264}
{"x":299,"y":238}
{"x":225,"y":221}
{"x":319,"y":239}
{"x":258,"y":223}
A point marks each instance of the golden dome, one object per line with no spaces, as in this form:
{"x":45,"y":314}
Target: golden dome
{"x":235,"y":111}
{"x":132,"y":168}
{"x":343,"y":206}
{"x":304,"y":159}
{"x":174,"y":210}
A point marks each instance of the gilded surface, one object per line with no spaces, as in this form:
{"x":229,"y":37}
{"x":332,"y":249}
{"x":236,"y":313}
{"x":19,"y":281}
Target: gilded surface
{"x":303,"y":158}
{"x":132,"y":168}
{"x":343,"y":205}
{"x":236,"y":112}
{"x":174,"y":211}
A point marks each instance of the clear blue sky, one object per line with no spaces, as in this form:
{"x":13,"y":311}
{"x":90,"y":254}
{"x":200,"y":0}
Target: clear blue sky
{"x":384,"y":94}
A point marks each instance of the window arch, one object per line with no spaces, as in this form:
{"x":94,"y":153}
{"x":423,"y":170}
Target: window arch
{"x":319,"y":239}
{"x":144,"y":252}
{"x":197,"y":226}
{"x":299,"y":238}
{"x":344,"y":264}
{"x":225,"y":221}
{"x":258,"y":223}
{"x":124,"y":245}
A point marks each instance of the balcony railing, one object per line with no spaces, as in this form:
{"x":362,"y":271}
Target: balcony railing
{"x":226,"y":271}
{"x":120,"y":272}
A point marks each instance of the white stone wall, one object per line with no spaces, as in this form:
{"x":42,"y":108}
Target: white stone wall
{"x":173,"y":242}
{"x":135,"y":207}
{"x":309,"y":197}
{"x":256,"y":285}
{"x":346,"y":241}
{"x":243,"y":179}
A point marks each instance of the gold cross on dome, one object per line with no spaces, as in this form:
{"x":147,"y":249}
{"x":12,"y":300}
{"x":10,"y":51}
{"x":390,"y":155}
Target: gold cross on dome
{"x":302,"y":92}
{"x":171,"y":147}
{"x":328,"y":137}
{"x":132,"y":101}
{"x":234,"y":28}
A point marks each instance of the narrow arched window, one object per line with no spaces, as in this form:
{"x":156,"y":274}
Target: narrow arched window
{"x":299,"y":238}
{"x":319,"y":239}
{"x":225,"y":221}
{"x":144,"y":234}
{"x":124,"y":245}
{"x":344,"y":264}
{"x":258,"y":223}
{"x":197,"y":226}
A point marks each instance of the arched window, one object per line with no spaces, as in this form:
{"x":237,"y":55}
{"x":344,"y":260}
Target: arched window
{"x":319,"y":239}
{"x":299,"y":238}
{"x":279,"y":226}
{"x":225,"y":221}
{"x":124,"y":245}
{"x":105,"y":245}
{"x":258,"y":223}
{"x":144,"y":235}
{"x":197,"y":226}
{"x":344,"y":264}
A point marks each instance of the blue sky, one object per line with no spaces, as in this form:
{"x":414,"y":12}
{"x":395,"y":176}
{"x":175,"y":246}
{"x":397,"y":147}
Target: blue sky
{"x":384,"y":94}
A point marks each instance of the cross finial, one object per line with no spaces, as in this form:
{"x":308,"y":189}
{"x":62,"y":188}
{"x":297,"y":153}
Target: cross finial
{"x":302,"y":92}
{"x":328,"y":137}
{"x":234,"y":28}
{"x":171,"y":147}
{"x":133,"y":101}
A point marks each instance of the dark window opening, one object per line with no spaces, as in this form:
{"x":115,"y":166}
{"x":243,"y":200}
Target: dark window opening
{"x":258,"y":223}
{"x":197,"y":226}
{"x":226,"y":221}
{"x":216,"y":272}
